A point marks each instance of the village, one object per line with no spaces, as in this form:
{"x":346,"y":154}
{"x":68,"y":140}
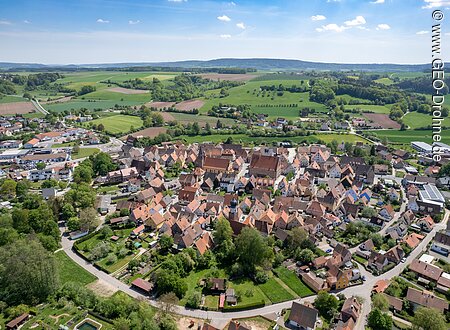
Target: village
{"x":377,"y":223}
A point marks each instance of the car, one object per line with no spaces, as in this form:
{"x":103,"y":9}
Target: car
{"x":329,"y":250}
{"x":363,"y":277}
{"x":403,"y":259}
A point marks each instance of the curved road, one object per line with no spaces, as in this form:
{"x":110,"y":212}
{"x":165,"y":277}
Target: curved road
{"x":220,"y":319}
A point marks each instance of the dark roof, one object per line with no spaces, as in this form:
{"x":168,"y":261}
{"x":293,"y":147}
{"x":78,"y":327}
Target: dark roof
{"x":424,"y":269}
{"x":427,"y":299}
{"x":303,"y":315}
{"x":442,"y":238}
{"x":219,"y":163}
{"x":264,"y":162}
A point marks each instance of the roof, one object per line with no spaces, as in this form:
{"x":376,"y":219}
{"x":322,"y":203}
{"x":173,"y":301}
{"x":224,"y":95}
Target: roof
{"x":216,"y":163}
{"x":264,"y":162}
{"x":142,"y":284}
{"x":442,"y":238}
{"x":380,"y":286}
{"x":424,"y":269}
{"x":17,"y":321}
{"x":427,"y":299}
{"x":394,"y":302}
{"x":303,"y":315}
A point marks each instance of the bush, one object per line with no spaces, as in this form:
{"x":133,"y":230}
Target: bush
{"x":237,"y":308}
{"x":194,"y":300}
{"x":261,"y":277}
{"x":111,"y":259}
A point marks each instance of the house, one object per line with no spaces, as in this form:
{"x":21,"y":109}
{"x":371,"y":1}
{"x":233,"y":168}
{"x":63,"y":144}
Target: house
{"x":103,"y":203}
{"x":426,"y":223}
{"x":441,"y":243}
{"x":367,"y":245}
{"x":393,"y":195}
{"x":217,"y":285}
{"x":238,"y":325}
{"x":31,"y":144}
{"x":216,"y":165}
{"x":427,"y":299}
{"x":387,"y":212}
{"x":395,"y":304}
{"x":350,"y":310}
{"x":425,"y":270}
{"x":262,"y":166}
{"x":395,"y":254}
{"x":303,"y":317}
{"x":48,"y":193}
{"x":380,"y":286}
{"x":413,"y":239}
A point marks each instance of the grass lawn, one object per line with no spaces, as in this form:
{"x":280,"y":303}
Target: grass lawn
{"x":117,"y":265}
{"x":274,"y":291}
{"x":76,"y":104}
{"x":212,"y":302}
{"x":119,"y":124}
{"x":64,"y":145}
{"x":85,"y":152}
{"x":249,"y":292}
{"x":69,"y":271}
{"x":192,"y":281}
{"x":12,"y":99}
{"x":107,"y":189}
{"x":385,"y":109}
{"x":385,"y":81}
{"x":359,"y":259}
{"x":293,"y":282}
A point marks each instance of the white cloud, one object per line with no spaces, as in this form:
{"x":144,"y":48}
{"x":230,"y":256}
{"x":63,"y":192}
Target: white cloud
{"x":5,"y":22}
{"x":376,"y":2}
{"x":131,"y":22}
{"x":318,"y":18}
{"x":331,"y":27}
{"x":177,"y":0}
{"x":225,"y":36}
{"x":102,"y":21}
{"x":383,"y":27}
{"x":241,"y":25}
{"x":435,"y":3}
{"x":422,"y":32}
{"x":224,"y":18}
{"x":359,"y":20}
{"x":232,"y":3}
{"x":27,"y":21}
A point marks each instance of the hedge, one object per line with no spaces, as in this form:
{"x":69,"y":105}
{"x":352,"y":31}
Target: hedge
{"x":244,"y":307}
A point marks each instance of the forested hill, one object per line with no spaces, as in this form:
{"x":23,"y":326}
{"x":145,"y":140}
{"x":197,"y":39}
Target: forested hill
{"x":255,"y":63}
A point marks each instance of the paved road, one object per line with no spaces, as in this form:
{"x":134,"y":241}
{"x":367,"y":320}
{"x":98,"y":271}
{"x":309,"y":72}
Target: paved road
{"x":219,"y":319}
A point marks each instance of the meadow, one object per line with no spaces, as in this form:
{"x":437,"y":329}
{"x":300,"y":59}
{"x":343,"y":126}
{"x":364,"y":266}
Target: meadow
{"x":416,"y":120}
{"x":119,"y":124}
{"x":408,"y":136}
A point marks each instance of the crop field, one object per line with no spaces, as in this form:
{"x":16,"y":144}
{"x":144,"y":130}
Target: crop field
{"x":115,"y":96}
{"x":406,"y":137}
{"x":383,"y":120}
{"x":385,"y":81}
{"x":16,"y":107}
{"x":200,"y":119}
{"x":119,"y":124}
{"x":383,"y":109}
{"x":416,"y":120}
{"x":127,"y":90}
{"x":76,"y":104}
{"x":229,"y":77}
{"x":12,"y":99}
{"x":250,"y":94}
{"x":150,"y":132}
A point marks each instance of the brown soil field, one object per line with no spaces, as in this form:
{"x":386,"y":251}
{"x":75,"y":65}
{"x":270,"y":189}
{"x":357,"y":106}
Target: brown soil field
{"x":102,"y":288}
{"x":149,"y":132}
{"x":383,"y":120}
{"x":127,"y":90}
{"x":159,"y":105}
{"x":189,"y":105}
{"x":16,"y":107}
{"x":167,"y":116}
{"x":229,"y":77}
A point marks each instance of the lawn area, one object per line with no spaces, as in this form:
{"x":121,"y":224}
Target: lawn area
{"x":274,"y":291}
{"x":12,"y":99}
{"x":385,"y":81}
{"x":69,"y":271}
{"x":192,"y":281}
{"x":359,"y":259}
{"x":190,"y":118}
{"x":115,"y":96}
{"x":84,"y":152}
{"x":117,"y":265}
{"x":416,"y":120}
{"x":385,"y":109}
{"x":64,"y":145}
{"x":293,"y":282}
{"x":119,"y":124}
{"x":249,"y":292}
{"x":76,"y":104}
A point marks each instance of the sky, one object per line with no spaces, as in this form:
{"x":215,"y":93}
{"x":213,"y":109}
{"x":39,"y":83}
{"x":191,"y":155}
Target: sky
{"x":113,"y":31}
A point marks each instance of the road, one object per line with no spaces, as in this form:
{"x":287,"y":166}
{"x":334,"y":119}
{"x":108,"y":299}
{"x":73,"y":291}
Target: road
{"x":220,"y":319}
{"x":39,"y":107}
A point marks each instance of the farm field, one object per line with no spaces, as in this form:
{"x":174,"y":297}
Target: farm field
{"x":248,"y":94}
{"x":229,"y":77}
{"x":84,"y":152}
{"x":12,"y":99}
{"x":149,"y":132}
{"x":383,"y":109}
{"x":76,"y":104}
{"x":383,"y":120}
{"x":119,"y":124}
{"x":16,"y":108}
{"x":109,"y":95}
{"x":416,"y":120}
{"x":245,"y":139}
{"x":200,"y":119}
{"x":406,"y":137}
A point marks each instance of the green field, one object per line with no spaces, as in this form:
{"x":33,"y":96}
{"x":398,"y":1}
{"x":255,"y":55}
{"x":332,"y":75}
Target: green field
{"x":106,"y":94}
{"x":190,"y":118}
{"x":248,"y":94}
{"x":119,"y":124}
{"x":293,"y":282}
{"x":370,"y":107}
{"x":12,"y":99}
{"x":77,"y":104}
{"x":406,"y":137}
{"x":385,"y":81}
{"x":69,"y":271}
{"x":416,"y":120}
{"x":84,"y":152}
{"x":242,"y":138}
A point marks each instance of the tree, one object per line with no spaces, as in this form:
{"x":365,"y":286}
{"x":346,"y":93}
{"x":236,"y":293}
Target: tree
{"x":223,"y":239}
{"x":8,"y":189}
{"x":22,"y":188}
{"x":377,"y":320}
{"x":326,"y":304}
{"x":252,"y":249}
{"x":73,"y":223}
{"x":29,"y":273}
{"x":305,"y":256}
{"x":380,"y":302}
{"x":67,"y":211}
{"x":40,"y":166}
{"x":88,"y":219}
{"x":194,"y":300}
{"x":102,"y":163}
{"x":170,"y":282}
{"x":368,"y":212}
{"x":428,"y":319}
{"x":83,"y":173}
{"x":168,"y":302}
{"x":296,"y":238}
{"x":165,"y":242}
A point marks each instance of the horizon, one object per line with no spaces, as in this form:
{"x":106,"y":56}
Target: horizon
{"x":112,"y":31}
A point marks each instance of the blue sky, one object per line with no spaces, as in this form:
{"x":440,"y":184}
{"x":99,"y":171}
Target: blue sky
{"x":105,"y":31}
